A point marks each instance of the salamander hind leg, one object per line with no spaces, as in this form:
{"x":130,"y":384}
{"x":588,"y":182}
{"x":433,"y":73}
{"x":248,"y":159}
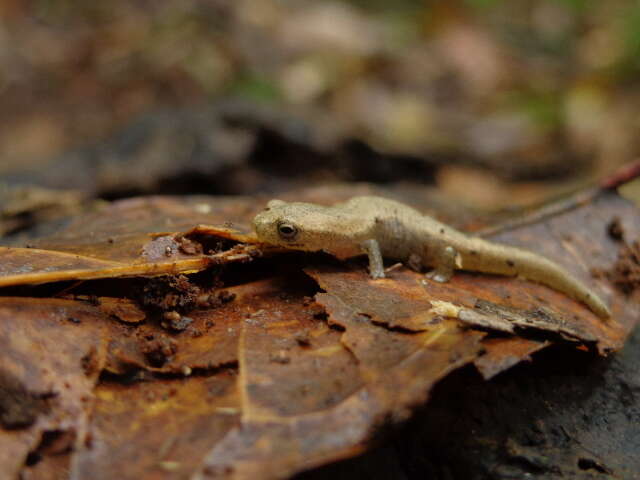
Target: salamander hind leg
{"x":376,"y":265}
{"x":443,"y":261}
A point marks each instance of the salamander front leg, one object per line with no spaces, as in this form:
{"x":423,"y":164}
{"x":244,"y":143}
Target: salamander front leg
{"x":376,"y":266}
{"x":444,"y":263}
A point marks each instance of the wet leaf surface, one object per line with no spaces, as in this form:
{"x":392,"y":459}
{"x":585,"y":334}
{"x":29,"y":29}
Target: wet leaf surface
{"x":263,"y":369}
{"x":51,"y":355}
{"x":158,"y":429}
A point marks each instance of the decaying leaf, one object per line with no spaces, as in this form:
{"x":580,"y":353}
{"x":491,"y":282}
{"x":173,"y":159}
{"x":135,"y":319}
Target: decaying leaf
{"x":51,"y":357}
{"x":139,"y":237}
{"x":265,"y":369}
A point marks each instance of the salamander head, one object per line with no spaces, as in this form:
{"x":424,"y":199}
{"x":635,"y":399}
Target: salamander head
{"x":307,"y":227}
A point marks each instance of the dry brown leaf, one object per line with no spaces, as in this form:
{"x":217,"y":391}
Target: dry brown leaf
{"x":138,"y":237}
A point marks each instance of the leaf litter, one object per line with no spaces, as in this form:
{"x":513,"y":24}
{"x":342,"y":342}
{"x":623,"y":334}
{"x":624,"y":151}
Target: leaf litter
{"x":205,"y":355}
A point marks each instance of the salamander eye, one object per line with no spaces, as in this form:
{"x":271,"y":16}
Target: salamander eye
{"x":287,"y":231}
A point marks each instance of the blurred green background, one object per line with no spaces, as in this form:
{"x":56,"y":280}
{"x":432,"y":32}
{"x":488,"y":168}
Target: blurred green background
{"x":543,"y":92}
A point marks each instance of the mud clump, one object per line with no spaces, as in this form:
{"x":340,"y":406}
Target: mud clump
{"x":615,"y":229}
{"x":158,"y":350}
{"x":169,"y":293}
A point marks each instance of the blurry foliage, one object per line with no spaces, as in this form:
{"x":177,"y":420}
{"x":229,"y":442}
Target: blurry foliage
{"x":630,"y":60}
{"x":543,"y":108}
{"x":479,"y":79}
{"x":256,"y":88}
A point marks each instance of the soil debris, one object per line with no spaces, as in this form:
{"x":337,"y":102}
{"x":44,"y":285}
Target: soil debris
{"x":174,"y":321}
{"x":616,"y":229}
{"x":625,"y":274}
{"x":158,"y":350}
{"x":170,"y":293}
{"x":215,"y":299}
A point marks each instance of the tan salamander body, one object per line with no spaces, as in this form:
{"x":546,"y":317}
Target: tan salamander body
{"x":380,"y":228}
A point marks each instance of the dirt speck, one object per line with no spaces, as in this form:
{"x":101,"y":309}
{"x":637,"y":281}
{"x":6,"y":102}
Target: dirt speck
{"x":625,"y":273}
{"x":169,"y":293}
{"x":158,"y":350}
{"x":174,"y":321}
{"x":281,"y":356}
{"x":615,"y":229}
